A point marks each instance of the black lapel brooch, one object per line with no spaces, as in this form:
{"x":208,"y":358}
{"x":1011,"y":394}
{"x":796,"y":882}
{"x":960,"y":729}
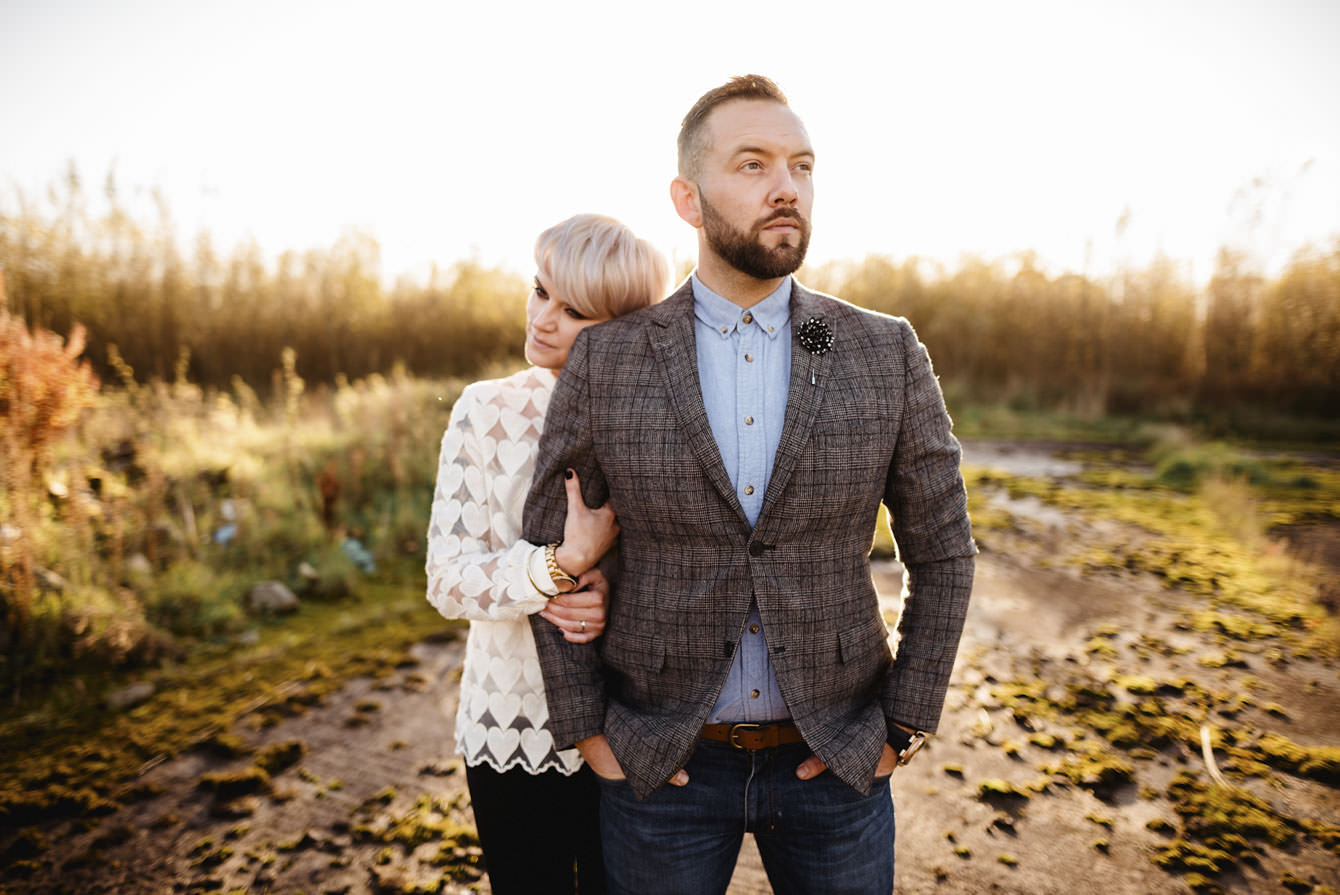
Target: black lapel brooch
{"x":816,"y":336}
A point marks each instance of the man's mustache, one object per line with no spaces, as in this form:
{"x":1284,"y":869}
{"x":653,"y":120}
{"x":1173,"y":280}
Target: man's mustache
{"x":782,"y":213}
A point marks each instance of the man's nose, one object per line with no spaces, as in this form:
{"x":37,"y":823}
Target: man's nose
{"x":784,"y":191}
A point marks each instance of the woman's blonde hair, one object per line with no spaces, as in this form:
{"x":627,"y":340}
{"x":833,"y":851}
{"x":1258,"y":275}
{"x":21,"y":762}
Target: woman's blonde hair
{"x":599,"y":267}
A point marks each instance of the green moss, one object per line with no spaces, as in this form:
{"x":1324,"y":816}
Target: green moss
{"x":1316,"y":762}
{"x":304,"y":842}
{"x":1324,"y":834}
{"x":230,"y":785}
{"x":1180,"y":856}
{"x":57,"y":768}
{"x":1295,"y":884}
{"x":1007,"y":859}
{"x":279,"y":756}
{"x":995,"y":788}
{"x":1093,"y":769}
{"x":953,"y":770}
{"x":1225,"y":817}
{"x":223,"y":745}
{"x":1202,"y":885}
{"x":963,"y":852}
{"x":1138,"y":684}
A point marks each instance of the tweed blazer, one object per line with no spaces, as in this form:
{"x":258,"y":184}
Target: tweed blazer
{"x":865,"y":423}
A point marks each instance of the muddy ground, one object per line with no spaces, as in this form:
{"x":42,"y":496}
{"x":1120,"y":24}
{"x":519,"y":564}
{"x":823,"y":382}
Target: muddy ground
{"x":376,"y":802}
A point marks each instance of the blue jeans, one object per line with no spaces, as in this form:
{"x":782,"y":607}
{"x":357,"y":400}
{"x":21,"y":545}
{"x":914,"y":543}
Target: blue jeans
{"x":815,"y":836}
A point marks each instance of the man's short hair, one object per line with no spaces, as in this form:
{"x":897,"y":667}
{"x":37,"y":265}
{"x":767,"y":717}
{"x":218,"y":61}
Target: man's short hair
{"x":693,"y":143}
{"x":599,"y":267}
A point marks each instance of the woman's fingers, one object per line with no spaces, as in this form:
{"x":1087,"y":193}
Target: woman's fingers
{"x":579,"y":599}
{"x":578,"y":626}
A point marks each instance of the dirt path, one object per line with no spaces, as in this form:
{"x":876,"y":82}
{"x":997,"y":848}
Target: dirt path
{"x":376,"y":802}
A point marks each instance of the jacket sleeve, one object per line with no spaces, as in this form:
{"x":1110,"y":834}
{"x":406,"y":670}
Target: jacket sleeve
{"x":472,"y":573}
{"x":928,"y":509}
{"x":573,"y":679}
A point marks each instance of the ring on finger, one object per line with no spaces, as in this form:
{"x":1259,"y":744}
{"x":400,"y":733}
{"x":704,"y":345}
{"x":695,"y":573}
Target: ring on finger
{"x":583,"y":626}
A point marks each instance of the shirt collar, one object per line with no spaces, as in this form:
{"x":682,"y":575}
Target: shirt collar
{"x":724,"y":315}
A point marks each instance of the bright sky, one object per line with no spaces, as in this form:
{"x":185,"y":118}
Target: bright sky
{"x":451,"y":129}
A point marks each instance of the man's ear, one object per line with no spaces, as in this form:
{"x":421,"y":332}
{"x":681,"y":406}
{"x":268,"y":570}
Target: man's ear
{"x":684,"y":193}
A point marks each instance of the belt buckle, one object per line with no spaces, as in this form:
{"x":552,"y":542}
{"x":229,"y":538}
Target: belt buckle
{"x":736,"y":728}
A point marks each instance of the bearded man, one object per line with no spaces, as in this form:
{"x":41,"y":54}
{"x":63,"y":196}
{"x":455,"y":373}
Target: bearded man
{"x":745,"y":431}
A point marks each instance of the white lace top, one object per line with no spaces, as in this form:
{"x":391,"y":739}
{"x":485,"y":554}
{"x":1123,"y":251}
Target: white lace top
{"x":477,"y":570}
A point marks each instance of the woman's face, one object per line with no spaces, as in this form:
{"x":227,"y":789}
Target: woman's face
{"x":551,"y":326}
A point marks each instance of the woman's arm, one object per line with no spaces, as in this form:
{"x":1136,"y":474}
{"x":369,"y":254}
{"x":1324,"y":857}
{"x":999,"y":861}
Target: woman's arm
{"x":471,"y":573}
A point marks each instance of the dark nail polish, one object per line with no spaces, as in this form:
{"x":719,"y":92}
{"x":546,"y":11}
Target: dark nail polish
{"x":567,"y":473}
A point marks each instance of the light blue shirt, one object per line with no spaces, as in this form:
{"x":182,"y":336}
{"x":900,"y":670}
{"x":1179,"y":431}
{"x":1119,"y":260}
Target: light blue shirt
{"x":744,"y":365}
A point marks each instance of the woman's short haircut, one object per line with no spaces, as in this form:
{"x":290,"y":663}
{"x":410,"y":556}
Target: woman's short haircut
{"x":599,"y":267}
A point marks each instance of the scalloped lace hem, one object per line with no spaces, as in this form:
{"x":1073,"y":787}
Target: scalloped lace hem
{"x":519,"y":761}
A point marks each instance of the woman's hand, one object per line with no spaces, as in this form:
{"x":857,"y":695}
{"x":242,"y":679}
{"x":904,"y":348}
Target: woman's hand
{"x":587,"y":534}
{"x":580,"y":614}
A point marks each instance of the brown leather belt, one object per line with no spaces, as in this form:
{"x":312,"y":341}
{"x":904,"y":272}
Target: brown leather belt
{"x":753,"y":736}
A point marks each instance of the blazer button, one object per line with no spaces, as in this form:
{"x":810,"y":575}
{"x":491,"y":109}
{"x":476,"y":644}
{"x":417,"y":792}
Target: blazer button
{"x":756,"y":548}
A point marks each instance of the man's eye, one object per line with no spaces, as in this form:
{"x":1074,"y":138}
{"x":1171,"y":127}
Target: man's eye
{"x":752,"y":166}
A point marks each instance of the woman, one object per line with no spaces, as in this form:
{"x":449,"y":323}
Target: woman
{"x":535,"y":807}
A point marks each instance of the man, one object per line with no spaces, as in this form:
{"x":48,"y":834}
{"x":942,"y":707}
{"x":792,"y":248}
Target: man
{"x":745,"y":431}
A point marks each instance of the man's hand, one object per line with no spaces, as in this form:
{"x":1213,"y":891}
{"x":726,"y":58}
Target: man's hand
{"x":597,"y":753}
{"x":814,"y":765}
{"x":580,"y":614}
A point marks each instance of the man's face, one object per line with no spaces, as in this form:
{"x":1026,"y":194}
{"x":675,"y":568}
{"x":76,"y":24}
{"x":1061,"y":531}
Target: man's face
{"x":756,"y":188}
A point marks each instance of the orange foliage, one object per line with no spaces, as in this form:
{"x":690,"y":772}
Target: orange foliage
{"x":43,"y":385}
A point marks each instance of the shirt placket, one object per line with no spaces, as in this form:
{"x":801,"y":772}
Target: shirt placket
{"x":752,"y":433}
{"x":751,"y":483}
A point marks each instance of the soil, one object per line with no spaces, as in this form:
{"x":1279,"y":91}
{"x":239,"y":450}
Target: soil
{"x":377,"y":802}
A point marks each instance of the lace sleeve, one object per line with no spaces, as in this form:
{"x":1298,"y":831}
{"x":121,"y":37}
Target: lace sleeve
{"x":473,"y":572}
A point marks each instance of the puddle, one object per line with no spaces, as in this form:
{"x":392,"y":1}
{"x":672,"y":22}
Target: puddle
{"x":1033,"y":461}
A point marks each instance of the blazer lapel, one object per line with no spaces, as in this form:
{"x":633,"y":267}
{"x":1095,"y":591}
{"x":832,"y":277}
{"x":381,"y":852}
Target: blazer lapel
{"x":676,"y":348}
{"x":809,"y":380}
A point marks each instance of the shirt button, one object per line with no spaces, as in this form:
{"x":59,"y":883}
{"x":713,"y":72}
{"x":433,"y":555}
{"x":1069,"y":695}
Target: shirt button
{"x":749,"y":358}
{"x":770,"y":329}
{"x":754,"y":694}
{"x":748,"y":489}
{"x":748,"y":318}
{"x":753,"y":629}
{"x":749,"y":421}
{"x":725,"y":329}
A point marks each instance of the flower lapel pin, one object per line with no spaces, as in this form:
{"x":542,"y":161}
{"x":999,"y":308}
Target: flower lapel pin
{"x":816,"y":336}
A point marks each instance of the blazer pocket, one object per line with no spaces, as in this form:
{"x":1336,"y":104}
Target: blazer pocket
{"x":852,"y":427}
{"x":858,"y":643}
{"x":630,"y":655}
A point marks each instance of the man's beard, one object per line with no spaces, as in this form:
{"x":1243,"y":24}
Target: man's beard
{"x":745,"y":252}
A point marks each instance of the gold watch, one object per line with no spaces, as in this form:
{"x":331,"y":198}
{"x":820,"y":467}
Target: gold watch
{"x":562,"y":580}
{"x":906,"y":743}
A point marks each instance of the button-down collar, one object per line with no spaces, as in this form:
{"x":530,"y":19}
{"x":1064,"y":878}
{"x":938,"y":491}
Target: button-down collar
{"x":723,"y":316}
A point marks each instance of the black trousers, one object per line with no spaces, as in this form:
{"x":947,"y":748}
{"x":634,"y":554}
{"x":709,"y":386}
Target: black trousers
{"x":540,"y":832}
